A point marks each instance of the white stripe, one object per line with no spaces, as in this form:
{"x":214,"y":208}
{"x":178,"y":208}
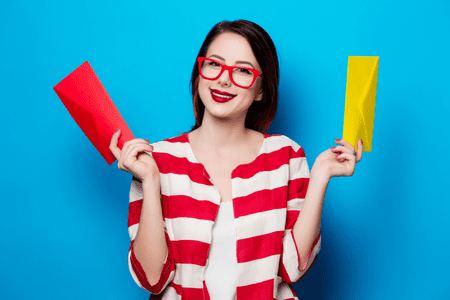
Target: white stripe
{"x":284,"y":292}
{"x":295,"y":204}
{"x":266,"y":180}
{"x":257,"y":224}
{"x":176,"y":184}
{"x":277,"y":142}
{"x":189,"y":229}
{"x":133,"y":274}
{"x":171,"y":294}
{"x":133,"y":230}
{"x":298,"y":168}
{"x":258,"y":270}
{"x":181,"y":150}
{"x":189,"y":275}
{"x":136,"y":192}
{"x":290,"y":257}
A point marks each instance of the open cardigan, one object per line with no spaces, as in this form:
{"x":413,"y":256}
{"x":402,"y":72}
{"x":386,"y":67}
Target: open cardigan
{"x":267,"y":197}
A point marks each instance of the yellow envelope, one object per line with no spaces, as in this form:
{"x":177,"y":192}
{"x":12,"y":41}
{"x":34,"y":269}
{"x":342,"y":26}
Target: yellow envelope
{"x":360,"y":98}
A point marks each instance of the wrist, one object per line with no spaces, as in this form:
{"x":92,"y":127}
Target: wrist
{"x":151,"y":181}
{"x":320,"y":174}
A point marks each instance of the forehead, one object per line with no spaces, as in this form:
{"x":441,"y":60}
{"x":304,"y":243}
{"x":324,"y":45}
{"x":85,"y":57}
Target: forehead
{"x":232,"y":47}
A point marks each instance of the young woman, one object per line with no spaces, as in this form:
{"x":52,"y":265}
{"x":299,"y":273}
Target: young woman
{"x":215,"y":213}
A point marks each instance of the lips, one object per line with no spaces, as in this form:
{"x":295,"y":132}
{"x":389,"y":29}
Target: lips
{"x":220,"y":96}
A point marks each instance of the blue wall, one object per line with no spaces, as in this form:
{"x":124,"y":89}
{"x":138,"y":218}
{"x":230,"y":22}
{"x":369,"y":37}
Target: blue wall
{"x":63,"y":214}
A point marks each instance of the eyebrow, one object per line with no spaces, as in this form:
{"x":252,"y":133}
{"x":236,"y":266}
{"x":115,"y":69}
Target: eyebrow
{"x":238,"y":62}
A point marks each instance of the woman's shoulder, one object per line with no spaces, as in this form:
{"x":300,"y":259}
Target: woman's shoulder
{"x":281,"y":141}
{"x":182,"y":138}
{"x":172,"y":149}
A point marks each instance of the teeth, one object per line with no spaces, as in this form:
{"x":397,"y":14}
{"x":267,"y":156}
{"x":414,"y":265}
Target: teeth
{"x":223,"y":96}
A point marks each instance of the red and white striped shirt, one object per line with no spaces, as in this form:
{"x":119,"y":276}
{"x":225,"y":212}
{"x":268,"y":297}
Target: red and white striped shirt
{"x":267,"y":196}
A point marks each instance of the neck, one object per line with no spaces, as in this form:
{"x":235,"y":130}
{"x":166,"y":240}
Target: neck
{"x":220,"y":133}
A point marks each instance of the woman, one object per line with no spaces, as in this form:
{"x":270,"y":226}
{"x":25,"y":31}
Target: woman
{"x":215,"y":213}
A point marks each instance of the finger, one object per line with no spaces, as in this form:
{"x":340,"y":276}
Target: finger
{"x":359,"y":152}
{"x":134,"y":155}
{"x":135,"y":141}
{"x":345,"y":156}
{"x":346,"y":144}
{"x":113,"y":145}
{"x":341,"y":149}
{"x":127,"y":151}
{"x":131,"y":143}
{"x":133,"y":152}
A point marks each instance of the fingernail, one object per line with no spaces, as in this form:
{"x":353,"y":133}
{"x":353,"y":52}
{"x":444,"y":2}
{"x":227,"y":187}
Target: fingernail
{"x":361,"y":141}
{"x":337,"y":140}
{"x":333,"y":147}
{"x":147,"y":141}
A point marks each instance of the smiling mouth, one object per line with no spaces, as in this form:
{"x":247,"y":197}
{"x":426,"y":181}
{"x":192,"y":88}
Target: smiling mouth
{"x":220,"y":96}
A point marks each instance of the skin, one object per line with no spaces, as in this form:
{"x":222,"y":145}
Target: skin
{"x":222,"y":143}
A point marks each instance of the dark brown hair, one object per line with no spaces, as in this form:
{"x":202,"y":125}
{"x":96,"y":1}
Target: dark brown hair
{"x":261,"y":113}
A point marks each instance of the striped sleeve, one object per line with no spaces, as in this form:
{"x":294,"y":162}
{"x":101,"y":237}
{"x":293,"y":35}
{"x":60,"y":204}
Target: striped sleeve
{"x":290,"y":269}
{"x":136,"y":270}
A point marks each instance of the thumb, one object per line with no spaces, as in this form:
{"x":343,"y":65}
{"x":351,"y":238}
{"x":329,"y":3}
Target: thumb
{"x":113,"y":145}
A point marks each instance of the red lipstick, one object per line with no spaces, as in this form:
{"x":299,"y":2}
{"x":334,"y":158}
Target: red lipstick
{"x":220,"y":96}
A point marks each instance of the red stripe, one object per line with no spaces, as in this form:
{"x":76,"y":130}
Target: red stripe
{"x":178,"y":288}
{"x":185,"y":206}
{"x":261,"y":291}
{"x":259,"y":201}
{"x":178,"y":139}
{"x":134,"y":212}
{"x":264,"y":162}
{"x":187,"y":293}
{"x":206,"y":292}
{"x":169,"y":164}
{"x":298,"y":188}
{"x":291,"y":218}
{"x":267,"y":162}
{"x":192,"y":293}
{"x":259,"y":246}
{"x":190,"y":252}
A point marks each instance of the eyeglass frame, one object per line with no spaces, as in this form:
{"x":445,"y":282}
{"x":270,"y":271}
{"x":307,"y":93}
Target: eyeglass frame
{"x":255,"y":72}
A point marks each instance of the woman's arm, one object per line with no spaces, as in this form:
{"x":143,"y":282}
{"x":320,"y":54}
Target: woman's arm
{"x":307,"y":227}
{"x":334,"y":162}
{"x":151,"y":263}
{"x":150,"y":245}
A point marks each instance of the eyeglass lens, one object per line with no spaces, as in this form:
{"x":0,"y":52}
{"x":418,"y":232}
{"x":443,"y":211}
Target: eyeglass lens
{"x":240,"y":76}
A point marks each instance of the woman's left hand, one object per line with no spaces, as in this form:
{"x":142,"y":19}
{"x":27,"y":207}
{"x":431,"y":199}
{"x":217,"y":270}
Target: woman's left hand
{"x":338,"y":160}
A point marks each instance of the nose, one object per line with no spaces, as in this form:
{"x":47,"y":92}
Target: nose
{"x":224,"y":79}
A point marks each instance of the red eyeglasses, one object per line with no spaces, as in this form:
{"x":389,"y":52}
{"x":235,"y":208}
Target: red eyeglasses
{"x":242,"y":77}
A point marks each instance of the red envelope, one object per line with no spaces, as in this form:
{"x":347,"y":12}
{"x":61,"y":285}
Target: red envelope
{"x":90,"y":106}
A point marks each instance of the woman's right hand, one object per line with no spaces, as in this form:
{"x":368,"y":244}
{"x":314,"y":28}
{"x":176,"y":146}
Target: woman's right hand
{"x":133,"y":159}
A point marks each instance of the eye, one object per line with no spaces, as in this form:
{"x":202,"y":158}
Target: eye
{"x":213,"y":63}
{"x":244,"y":71}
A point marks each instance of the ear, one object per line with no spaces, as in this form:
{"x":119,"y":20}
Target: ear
{"x":259,"y":96}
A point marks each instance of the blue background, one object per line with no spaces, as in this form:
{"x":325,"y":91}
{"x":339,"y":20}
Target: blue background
{"x":63,"y":214}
